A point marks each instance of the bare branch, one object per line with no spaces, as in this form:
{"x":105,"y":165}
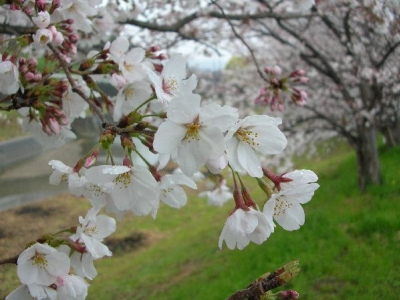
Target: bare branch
{"x":387,"y":55}
{"x":177,"y":26}
{"x":244,"y":43}
{"x":76,"y":88}
{"x":267,"y":282}
{"x":9,"y":260}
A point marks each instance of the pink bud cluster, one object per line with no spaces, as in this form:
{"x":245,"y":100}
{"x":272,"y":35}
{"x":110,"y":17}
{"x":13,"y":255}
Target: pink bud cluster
{"x":28,"y":69}
{"x":52,"y":119}
{"x":42,"y":5}
{"x":16,"y":5}
{"x":272,"y":92}
{"x":152,"y":53}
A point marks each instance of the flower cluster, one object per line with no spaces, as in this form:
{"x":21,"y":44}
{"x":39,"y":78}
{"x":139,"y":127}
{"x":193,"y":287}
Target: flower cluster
{"x":55,"y":271}
{"x":161,"y":122}
{"x":273,"y":92}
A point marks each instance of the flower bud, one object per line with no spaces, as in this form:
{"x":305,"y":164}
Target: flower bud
{"x":107,"y":138}
{"x":127,"y":143}
{"x":32,"y":62}
{"x":287,"y":295}
{"x":29,"y":76}
{"x":38,"y":77}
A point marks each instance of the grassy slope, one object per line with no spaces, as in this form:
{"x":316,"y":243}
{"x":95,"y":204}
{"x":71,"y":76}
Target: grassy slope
{"x":348,"y":248}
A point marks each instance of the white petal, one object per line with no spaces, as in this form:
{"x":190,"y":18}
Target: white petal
{"x":249,"y":160}
{"x":20,"y":293}
{"x":233,"y":157}
{"x":222,"y":117}
{"x":58,"y":263}
{"x":292,"y":219}
{"x":174,"y":197}
{"x":184,"y":108}
{"x":168,"y":136}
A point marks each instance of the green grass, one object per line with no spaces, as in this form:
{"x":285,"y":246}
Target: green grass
{"x":348,"y":247}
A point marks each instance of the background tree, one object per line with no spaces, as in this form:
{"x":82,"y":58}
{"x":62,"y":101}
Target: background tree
{"x":350,"y":48}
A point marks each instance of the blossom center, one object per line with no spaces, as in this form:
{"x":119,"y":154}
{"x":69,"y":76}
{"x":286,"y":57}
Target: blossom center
{"x":281,"y":206}
{"x":166,"y":191}
{"x":129,"y":92}
{"x":192,"y":132}
{"x":44,"y":38}
{"x":128,"y":67}
{"x":91,"y":230}
{"x":248,"y":137}
{"x":170,"y":86}
{"x":40,"y":260}
{"x":124,"y":179}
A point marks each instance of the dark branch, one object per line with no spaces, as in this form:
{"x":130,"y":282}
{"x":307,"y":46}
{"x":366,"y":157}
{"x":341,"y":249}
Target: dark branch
{"x":387,"y":55}
{"x":177,"y":26}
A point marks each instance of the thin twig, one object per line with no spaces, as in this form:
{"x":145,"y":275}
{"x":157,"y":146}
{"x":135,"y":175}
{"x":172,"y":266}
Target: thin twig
{"x":9,"y":260}
{"x":242,"y":40}
{"x":76,"y":88}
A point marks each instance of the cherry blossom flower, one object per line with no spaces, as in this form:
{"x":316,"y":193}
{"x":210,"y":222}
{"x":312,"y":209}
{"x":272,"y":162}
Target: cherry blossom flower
{"x":42,"y":20}
{"x":118,"y":48}
{"x":286,"y":204}
{"x":170,"y":80}
{"x":81,"y":261}
{"x":194,"y":134}
{"x":71,"y":287}
{"x":83,"y":265}
{"x":62,"y":172}
{"x":251,"y":137}
{"x":130,"y":97}
{"x":32,"y":291}
{"x":42,"y":36}
{"x":243,"y":226}
{"x":218,"y":195}
{"x":42,"y":264}
{"x":35,"y":129}
{"x":172,"y":193}
{"x":9,"y":82}
{"x":79,"y":11}
{"x":131,"y":65}
{"x":133,"y":189}
{"x":94,"y":228}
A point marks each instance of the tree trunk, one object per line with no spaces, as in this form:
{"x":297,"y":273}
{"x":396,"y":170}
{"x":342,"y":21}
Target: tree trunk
{"x":369,"y":172}
{"x":391,"y":133}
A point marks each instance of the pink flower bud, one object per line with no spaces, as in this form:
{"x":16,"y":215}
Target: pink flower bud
{"x":162,"y":56}
{"x":91,"y":159}
{"x":158,"y":67}
{"x":303,"y":79}
{"x":276,"y":70}
{"x":58,"y":38}
{"x":32,"y":62}
{"x":56,"y":3}
{"x":154,"y":48}
{"x":297,"y":73}
{"x":288,"y":295}
{"x":38,"y":77}
{"x":23,"y":69}
{"x":29,"y":76}
{"x":54,"y":126}
{"x":41,"y":5}
{"x":28,"y":11}
{"x":127,"y":161}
